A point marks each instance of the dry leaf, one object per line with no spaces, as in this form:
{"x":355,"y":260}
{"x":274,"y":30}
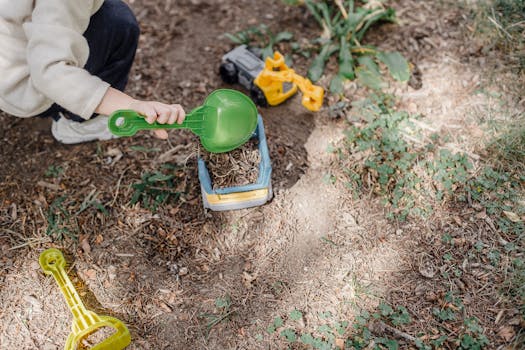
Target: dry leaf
{"x":506,"y":333}
{"x":90,"y":274}
{"x":458,"y":220}
{"x":99,"y":239}
{"x":48,"y":185}
{"x":113,"y":152}
{"x":499,"y":316}
{"x":427,"y":269}
{"x":512,"y":216}
{"x":340,"y":343}
{"x":14,"y":213}
{"x":84,"y":243}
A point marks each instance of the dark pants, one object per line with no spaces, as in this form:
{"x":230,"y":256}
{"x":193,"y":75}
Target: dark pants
{"x":112,"y":36}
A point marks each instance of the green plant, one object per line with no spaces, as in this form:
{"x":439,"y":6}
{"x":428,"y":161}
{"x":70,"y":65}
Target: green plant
{"x":386,"y":160}
{"x":262,"y":35}
{"x":344,"y":26}
{"x":380,"y":158}
{"x":58,"y":219}
{"x":54,"y":171}
{"x":501,"y":22}
{"x":62,"y":215}
{"x":500,"y":193}
{"x":223,"y":312}
{"x":155,"y":189}
{"x":473,"y":337}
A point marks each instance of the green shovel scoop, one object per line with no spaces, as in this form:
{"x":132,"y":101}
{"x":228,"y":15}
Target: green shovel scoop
{"x":225,"y":121}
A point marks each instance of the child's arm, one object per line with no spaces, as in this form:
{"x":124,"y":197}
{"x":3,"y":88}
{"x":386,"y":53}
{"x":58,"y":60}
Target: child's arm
{"x":153,"y":111}
{"x":57,"y":52}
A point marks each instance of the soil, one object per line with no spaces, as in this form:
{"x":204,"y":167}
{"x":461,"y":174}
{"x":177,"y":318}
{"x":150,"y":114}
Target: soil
{"x":314,"y":247}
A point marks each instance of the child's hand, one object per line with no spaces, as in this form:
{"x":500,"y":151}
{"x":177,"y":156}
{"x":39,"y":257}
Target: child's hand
{"x":159,"y":112}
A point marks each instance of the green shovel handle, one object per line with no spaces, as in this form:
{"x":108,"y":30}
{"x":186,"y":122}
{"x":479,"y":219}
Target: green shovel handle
{"x":126,"y":122}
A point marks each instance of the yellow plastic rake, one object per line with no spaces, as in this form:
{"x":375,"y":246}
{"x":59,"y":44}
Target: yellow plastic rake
{"x":85,"y":322}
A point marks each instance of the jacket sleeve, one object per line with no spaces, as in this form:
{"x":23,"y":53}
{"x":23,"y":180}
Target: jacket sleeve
{"x":57,"y":52}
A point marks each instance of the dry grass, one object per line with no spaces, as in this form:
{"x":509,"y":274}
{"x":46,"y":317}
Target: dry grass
{"x":236,"y":168}
{"x":313,"y":247}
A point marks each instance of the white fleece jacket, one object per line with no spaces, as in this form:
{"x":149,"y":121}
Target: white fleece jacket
{"x":42,"y":55}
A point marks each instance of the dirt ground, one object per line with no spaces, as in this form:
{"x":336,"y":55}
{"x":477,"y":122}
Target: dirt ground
{"x":314,"y":247}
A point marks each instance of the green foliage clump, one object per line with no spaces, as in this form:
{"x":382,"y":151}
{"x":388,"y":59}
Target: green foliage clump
{"x":263,"y":35}
{"x":374,"y":330}
{"x":62,"y":215}
{"x":344,"y":26}
{"x":383,"y":159}
{"x":156,"y":188}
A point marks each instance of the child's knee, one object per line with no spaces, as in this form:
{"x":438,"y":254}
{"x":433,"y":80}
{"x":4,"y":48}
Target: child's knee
{"x":123,"y":18}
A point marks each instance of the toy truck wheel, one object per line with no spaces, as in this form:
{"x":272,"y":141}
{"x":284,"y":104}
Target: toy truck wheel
{"x":228,"y":72}
{"x":258,"y":96}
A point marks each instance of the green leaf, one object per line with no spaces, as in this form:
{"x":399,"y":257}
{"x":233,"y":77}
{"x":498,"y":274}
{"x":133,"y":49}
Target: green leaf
{"x":320,"y":344}
{"x":369,"y":63}
{"x":234,"y":38}
{"x":391,"y":344}
{"x":223,"y":302}
{"x":401,"y":316}
{"x":439,"y":341}
{"x":325,"y":315}
{"x":386,"y":310}
{"x":267,"y":52}
{"x":159,"y":177}
{"x":386,"y":15}
{"x":288,"y":60}
{"x":282,"y":36}
{"x":278,"y":321}
{"x":444,"y":314}
{"x":292,"y":2}
{"x":270,"y":329}
{"x":346,"y":63}
{"x":296,"y":315}
{"x":317,"y":68}
{"x":325,"y":11}
{"x":325,"y":329}
{"x":312,"y":7}
{"x":341,"y":327}
{"x":289,"y":334}
{"x":100,"y":207}
{"x":354,"y":18}
{"x":307,"y":339}
{"x":369,"y":78}
{"x":336,"y":84}
{"x":396,"y":63}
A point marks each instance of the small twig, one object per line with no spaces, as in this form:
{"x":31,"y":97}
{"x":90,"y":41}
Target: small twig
{"x":31,"y":241}
{"x":164,"y":157}
{"x":118,"y":188}
{"x":218,"y":320}
{"x":48,"y":185}
{"x":498,"y":26}
{"x":380,"y":327}
{"x":516,"y":24}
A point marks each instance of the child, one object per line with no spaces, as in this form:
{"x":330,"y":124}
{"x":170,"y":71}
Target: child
{"x":70,"y":59}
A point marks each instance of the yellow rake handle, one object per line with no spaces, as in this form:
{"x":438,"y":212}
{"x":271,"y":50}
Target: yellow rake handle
{"x":85,"y":322}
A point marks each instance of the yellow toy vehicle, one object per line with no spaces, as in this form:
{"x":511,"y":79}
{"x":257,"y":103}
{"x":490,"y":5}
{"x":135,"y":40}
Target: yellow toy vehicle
{"x":270,"y":82}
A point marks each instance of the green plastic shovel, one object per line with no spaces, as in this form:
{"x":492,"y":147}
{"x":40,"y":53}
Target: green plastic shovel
{"x":225,"y":121}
